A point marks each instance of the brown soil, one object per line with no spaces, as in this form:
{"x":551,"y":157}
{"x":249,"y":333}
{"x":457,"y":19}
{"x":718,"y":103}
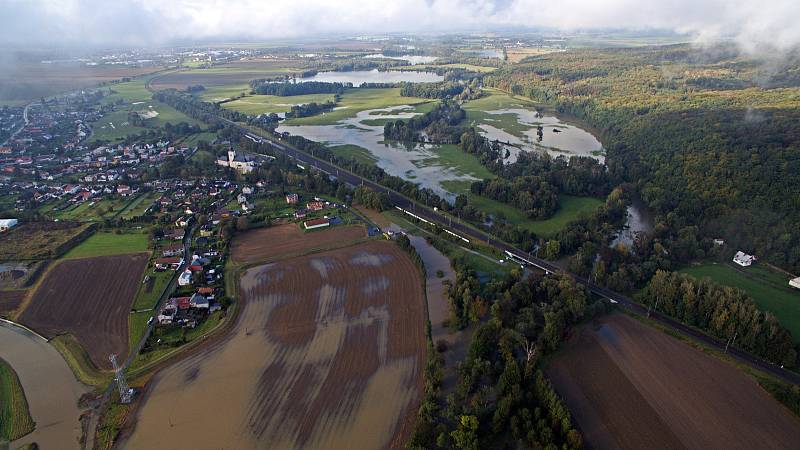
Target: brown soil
{"x":91,"y":299}
{"x":10,"y":300}
{"x":287,"y":240}
{"x":328,"y":352}
{"x":631,"y":386}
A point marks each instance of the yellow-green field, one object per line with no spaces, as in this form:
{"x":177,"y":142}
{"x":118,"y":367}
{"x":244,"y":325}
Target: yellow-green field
{"x":261,"y":104}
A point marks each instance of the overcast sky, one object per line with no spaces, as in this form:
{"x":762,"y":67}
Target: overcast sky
{"x":754,"y":24}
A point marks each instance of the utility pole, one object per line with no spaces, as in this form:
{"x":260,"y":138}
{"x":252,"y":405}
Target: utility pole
{"x":125,"y":392}
{"x":730,"y":341}
{"x":658,"y":298}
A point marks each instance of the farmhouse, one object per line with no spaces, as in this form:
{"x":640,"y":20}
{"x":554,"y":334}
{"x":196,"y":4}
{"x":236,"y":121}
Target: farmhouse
{"x":169,"y":263}
{"x":315,"y":206}
{"x":174,"y":250}
{"x":743,"y":259}
{"x":237,"y":162}
{"x":292,"y":199}
{"x":316,"y":223}
{"x":6,"y":224}
{"x":795,"y":282}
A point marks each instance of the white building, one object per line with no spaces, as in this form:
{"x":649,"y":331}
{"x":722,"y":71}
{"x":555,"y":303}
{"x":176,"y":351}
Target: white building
{"x":185,"y":278}
{"x":743,"y":259}
{"x":6,"y":224}
{"x":237,"y":162}
{"x":795,"y":282}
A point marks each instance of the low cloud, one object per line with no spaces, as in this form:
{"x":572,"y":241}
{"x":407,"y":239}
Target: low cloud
{"x":769,"y":25}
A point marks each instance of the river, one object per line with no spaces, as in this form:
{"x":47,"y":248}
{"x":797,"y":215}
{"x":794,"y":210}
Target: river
{"x":640,"y":220}
{"x":50,"y":388}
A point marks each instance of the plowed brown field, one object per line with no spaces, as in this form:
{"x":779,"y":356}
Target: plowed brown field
{"x":287,"y":240}
{"x":10,"y":300}
{"x":327,"y":353}
{"x":630,"y":386}
{"x":91,"y":299}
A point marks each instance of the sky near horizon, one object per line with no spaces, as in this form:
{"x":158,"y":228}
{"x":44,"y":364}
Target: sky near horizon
{"x":764,"y":25}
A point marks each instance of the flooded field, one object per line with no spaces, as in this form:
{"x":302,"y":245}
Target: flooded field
{"x":359,"y":77}
{"x":417,"y":162}
{"x":640,"y":220}
{"x":523,"y":128}
{"x":50,"y":388}
{"x":322,"y":356}
{"x":412,"y":60}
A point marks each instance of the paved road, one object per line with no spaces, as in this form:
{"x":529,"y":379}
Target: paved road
{"x":447,"y":222}
{"x":22,"y":126}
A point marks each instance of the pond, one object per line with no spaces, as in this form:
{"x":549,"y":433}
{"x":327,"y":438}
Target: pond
{"x":411,"y":59}
{"x":415,"y":162}
{"x":640,"y":220}
{"x":359,"y":77}
{"x":556,"y":137}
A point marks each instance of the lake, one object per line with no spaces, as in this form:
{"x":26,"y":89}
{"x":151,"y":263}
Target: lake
{"x":359,"y":77}
{"x":411,"y":59}
{"x":416,"y":162}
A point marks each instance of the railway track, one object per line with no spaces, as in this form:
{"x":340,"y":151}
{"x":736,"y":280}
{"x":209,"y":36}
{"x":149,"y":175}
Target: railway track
{"x":466,"y":232}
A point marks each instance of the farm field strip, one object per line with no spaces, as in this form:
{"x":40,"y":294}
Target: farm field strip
{"x":323,"y":356}
{"x":89,"y":298}
{"x":15,"y":419}
{"x":631,"y":386}
{"x":288,"y":240}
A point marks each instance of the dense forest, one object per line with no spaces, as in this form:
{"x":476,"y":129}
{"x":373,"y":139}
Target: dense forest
{"x":502,"y":399}
{"x":710,"y":138}
{"x":287,"y":89}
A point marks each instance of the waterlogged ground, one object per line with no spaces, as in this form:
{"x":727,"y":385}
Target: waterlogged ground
{"x":327,"y":353}
{"x":420,"y":163}
{"x":516,"y":122}
{"x":359,"y":77}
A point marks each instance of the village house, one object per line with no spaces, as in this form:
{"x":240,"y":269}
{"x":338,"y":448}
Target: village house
{"x":173,"y":250}
{"x":7,"y":224}
{"x":315,"y":206}
{"x":185,"y":278}
{"x":292,"y":199}
{"x":171,"y":263}
{"x":316,"y":223}
{"x":743,"y":259}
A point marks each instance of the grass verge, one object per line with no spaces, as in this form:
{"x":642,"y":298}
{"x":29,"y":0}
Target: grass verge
{"x":79,"y":362}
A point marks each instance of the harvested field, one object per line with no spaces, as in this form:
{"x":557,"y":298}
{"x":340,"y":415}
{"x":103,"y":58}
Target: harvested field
{"x":10,"y":300}
{"x":89,"y":298}
{"x":39,"y":240}
{"x":289,"y":240}
{"x":632,"y":386}
{"x":327,"y":353}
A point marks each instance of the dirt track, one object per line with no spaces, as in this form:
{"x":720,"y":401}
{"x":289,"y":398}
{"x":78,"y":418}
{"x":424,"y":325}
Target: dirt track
{"x":91,"y":299}
{"x":327,"y":353}
{"x":630,"y":386}
{"x":288,"y":240}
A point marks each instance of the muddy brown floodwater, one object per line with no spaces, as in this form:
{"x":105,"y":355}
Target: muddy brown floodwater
{"x":50,"y":388}
{"x":327,"y":353}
